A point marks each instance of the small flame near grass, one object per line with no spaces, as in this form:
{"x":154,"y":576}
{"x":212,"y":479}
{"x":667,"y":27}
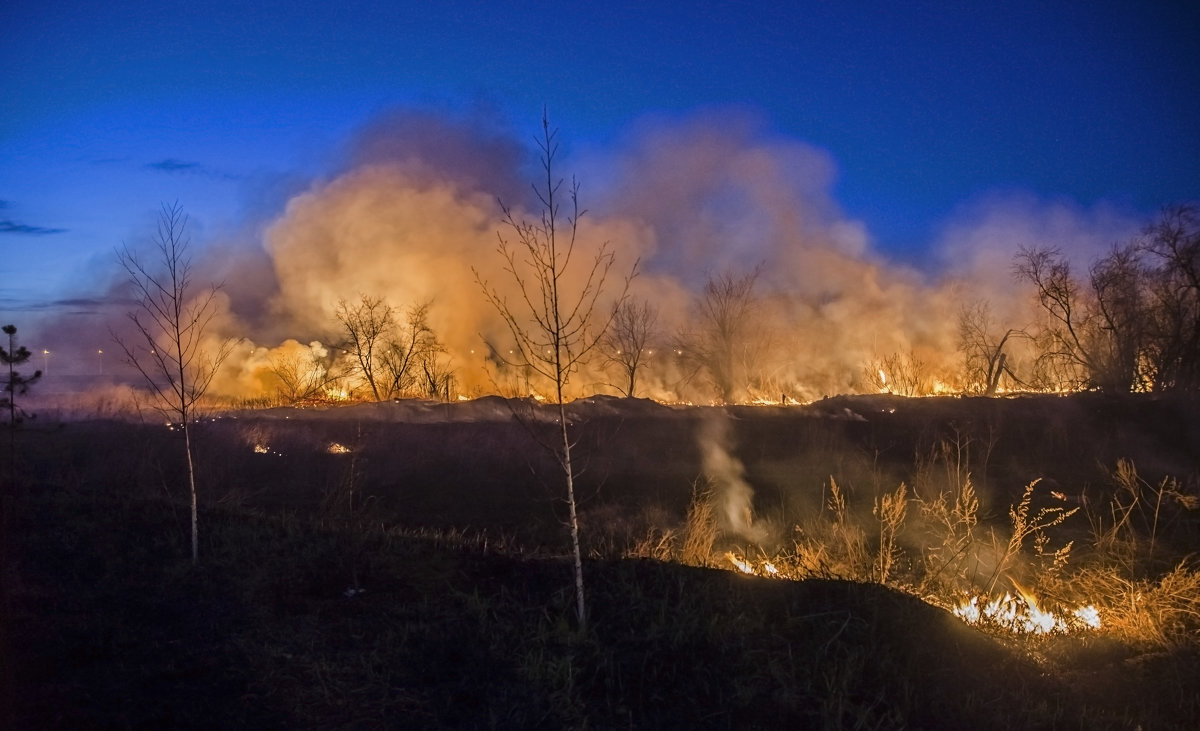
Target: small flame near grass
{"x":1018,"y":613}
{"x":741,"y":564}
{"x":336,"y":448}
{"x":1021,"y":614}
{"x":764,"y":568}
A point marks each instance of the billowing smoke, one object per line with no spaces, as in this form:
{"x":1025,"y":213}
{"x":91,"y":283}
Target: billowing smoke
{"x":977,"y":246}
{"x":413,"y":217}
{"x":691,"y":199}
{"x":726,"y":475}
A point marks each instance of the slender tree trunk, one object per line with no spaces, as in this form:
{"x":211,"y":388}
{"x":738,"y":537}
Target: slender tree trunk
{"x":187,"y":444}
{"x":580,"y":605}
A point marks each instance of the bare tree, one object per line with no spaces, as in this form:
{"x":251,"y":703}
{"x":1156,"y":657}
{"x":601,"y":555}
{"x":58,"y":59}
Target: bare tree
{"x":1118,"y":287}
{"x":170,"y":348}
{"x":436,"y":379}
{"x":1062,"y":342}
{"x":410,"y":359}
{"x":724,"y":339}
{"x":898,"y":373}
{"x":393,"y":358}
{"x":983,"y":348}
{"x":1173,"y":246}
{"x":1135,"y":323}
{"x":1094,"y":330}
{"x":624,"y":345}
{"x":303,"y":373}
{"x":368,"y":325}
{"x":554,"y":326}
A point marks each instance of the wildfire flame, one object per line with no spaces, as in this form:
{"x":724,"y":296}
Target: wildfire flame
{"x":1021,"y":614}
{"x":742,"y":565}
{"x":766,"y":568}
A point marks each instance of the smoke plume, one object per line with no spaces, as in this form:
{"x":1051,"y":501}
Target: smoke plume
{"x":413,"y":213}
{"x":725,"y":473}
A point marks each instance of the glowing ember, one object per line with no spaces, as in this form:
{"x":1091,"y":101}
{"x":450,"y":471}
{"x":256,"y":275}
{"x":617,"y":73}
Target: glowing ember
{"x":261,"y":449}
{"x":336,"y":448}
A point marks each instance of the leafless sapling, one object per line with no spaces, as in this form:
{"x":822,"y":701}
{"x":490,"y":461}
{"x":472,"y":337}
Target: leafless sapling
{"x":171,"y":346}
{"x":556,"y":321}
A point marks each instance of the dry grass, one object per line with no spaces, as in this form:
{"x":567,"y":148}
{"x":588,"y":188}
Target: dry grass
{"x":1157,"y":614}
{"x":890,"y":511}
{"x":950,"y":519}
{"x":1128,"y":526}
{"x":700,"y":530}
{"x":1154,"y":611}
{"x":1024,"y":526}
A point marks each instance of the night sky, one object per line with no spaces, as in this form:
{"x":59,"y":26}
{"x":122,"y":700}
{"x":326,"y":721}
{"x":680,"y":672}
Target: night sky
{"x":929,"y":114}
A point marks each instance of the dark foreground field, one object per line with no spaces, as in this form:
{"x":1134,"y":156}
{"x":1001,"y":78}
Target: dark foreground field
{"x":399,"y":565}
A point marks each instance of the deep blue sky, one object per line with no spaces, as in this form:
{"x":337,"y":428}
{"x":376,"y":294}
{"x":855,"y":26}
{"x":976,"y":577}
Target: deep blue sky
{"x":112,"y":107}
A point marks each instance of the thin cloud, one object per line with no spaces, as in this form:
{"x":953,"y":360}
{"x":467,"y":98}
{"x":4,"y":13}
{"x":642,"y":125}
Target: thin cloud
{"x":13,"y":227}
{"x":9,"y":226}
{"x":174,"y":165}
{"x":89,"y":302}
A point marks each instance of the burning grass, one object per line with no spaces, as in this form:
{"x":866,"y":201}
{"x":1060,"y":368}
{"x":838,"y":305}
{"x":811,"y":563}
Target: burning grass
{"x":1009,"y":585}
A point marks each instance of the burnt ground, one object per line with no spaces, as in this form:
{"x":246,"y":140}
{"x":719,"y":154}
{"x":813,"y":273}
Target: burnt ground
{"x":447,"y":517}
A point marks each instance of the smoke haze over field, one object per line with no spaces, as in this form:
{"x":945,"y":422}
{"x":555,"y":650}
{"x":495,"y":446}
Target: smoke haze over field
{"x":415,"y":208}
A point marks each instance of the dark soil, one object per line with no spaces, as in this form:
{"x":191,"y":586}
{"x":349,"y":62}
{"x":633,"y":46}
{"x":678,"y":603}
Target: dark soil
{"x":414,"y":582}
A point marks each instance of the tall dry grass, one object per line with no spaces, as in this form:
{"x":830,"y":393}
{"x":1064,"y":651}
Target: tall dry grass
{"x":890,"y":511}
{"x":1145,"y":593}
{"x":700,"y":528}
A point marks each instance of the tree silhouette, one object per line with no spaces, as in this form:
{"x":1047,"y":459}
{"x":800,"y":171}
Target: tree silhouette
{"x":15,"y":383}
{"x":723,"y":338}
{"x":1133,"y":322}
{"x":170,"y":349}
{"x":625,"y":343}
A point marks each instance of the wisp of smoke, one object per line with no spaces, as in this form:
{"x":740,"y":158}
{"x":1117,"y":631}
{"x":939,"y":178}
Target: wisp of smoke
{"x":727,"y":475}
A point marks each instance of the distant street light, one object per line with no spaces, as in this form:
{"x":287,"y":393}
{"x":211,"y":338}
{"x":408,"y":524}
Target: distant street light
{"x":100,"y":360}
{"x":45,"y":361}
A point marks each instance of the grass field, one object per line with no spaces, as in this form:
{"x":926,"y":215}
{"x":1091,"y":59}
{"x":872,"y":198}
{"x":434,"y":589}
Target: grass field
{"x":402,"y":565}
